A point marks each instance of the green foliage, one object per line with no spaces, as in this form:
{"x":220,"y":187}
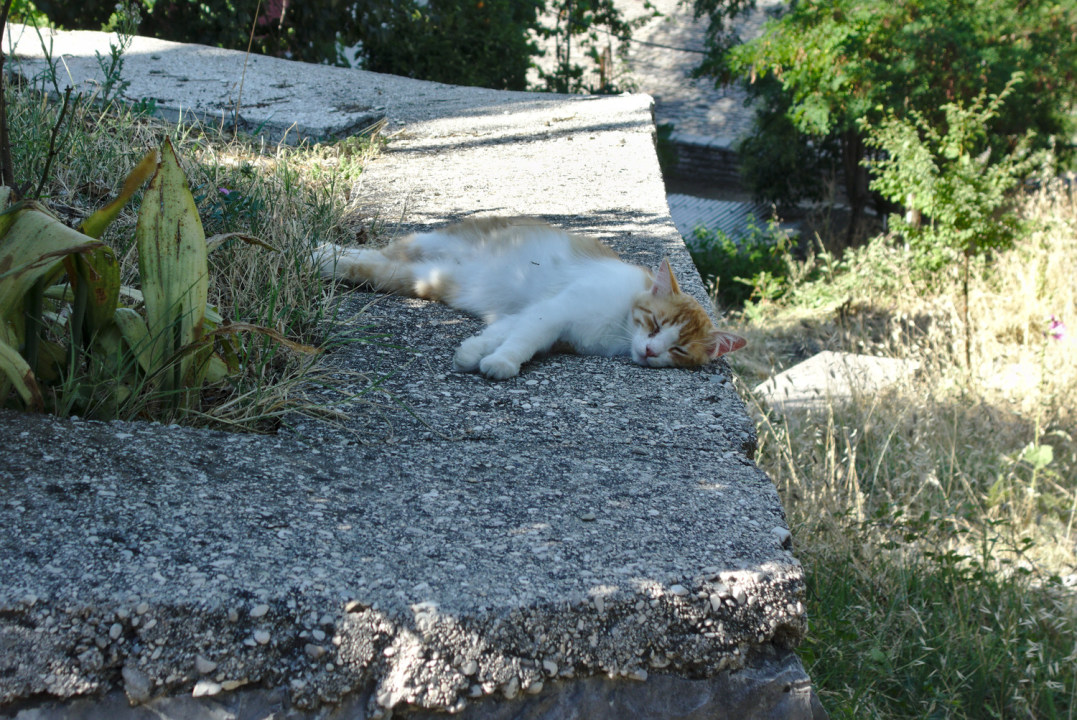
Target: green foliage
{"x":777,"y":166}
{"x":25,"y":11}
{"x":840,"y":63}
{"x":582,"y":28}
{"x":469,"y":43}
{"x":38,"y":287}
{"x":124,"y":22}
{"x":303,"y":31}
{"x":465,"y":43}
{"x":752,"y":267}
{"x":487,"y":43}
{"x":905,"y":628}
{"x":720,"y":35}
{"x":955,"y":192}
{"x":64,"y":328}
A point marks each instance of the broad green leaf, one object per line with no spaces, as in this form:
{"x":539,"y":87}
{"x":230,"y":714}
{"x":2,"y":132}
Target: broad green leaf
{"x":94,"y":226}
{"x":173,"y":268}
{"x":213,"y":318}
{"x":30,"y":250}
{"x":1038,"y":456}
{"x":102,"y":273}
{"x":60,"y":292}
{"x":136,"y":334}
{"x":20,"y":376}
{"x":216,"y":369}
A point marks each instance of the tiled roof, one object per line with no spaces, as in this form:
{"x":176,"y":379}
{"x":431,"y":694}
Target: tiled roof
{"x":730,"y":217}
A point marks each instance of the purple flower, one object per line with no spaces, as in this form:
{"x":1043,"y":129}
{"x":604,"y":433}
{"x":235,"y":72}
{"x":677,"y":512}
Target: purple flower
{"x":1056,"y":330}
{"x":226,"y":192}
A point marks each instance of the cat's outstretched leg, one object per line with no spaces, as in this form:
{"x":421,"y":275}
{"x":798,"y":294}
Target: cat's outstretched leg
{"x":366,"y":266}
{"x":471,"y":351}
{"x":506,"y":344}
{"x":397,"y":268}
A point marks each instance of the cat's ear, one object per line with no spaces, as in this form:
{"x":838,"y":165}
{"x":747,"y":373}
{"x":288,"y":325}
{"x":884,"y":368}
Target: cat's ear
{"x":664,"y":282}
{"x":722,"y":342}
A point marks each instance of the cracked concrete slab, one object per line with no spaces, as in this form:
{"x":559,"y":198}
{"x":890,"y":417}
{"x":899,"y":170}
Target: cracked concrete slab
{"x":589,"y":535}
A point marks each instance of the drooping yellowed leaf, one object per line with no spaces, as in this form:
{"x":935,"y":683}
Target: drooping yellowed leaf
{"x":173,"y":268}
{"x":20,"y":376}
{"x":94,"y":226}
{"x":236,"y":327}
{"x":31,"y":250}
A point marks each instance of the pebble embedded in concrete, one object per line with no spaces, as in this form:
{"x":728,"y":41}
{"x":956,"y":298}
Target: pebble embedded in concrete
{"x":206,"y":688}
{"x":203,"y":665}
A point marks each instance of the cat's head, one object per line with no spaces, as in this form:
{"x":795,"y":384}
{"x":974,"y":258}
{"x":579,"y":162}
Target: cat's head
{"x":671,"y":329}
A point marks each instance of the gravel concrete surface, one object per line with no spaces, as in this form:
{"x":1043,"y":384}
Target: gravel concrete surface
{"x":449,"y":543}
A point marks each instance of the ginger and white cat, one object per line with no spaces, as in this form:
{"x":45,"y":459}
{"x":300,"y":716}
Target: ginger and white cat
{"x":539,"y":289}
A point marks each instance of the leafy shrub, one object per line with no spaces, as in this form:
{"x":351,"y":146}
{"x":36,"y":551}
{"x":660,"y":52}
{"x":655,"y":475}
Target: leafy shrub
{"x":482,"y":44}
{"x":487,"y":44}
{"x":584,"y":28}
{"x":956,"y":194}
{"x":775,"y":163}
{"x":752,"y":267}
{"x":302,"y":31}
{"x":839,"y":62}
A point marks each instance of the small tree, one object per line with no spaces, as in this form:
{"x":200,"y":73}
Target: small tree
{"x":954,"y":188}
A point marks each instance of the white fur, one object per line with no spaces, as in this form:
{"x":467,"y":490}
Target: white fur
{"x":532,"y":289}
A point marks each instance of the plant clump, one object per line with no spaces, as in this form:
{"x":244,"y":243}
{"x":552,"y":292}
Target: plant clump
{"x":190,"y":299}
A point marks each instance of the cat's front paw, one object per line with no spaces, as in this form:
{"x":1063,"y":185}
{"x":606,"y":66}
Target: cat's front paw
{"x":497,"y":367}
{"x":468,"y":355}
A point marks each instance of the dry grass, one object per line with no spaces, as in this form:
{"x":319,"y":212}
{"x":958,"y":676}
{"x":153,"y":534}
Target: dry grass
{"x":290,"y":198}
{"x":936,"y":519}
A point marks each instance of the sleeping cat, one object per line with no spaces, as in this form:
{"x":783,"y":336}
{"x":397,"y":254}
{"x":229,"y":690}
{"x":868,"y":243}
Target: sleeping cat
{"x":539,"y":289}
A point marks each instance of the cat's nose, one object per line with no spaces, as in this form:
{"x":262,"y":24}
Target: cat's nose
{"x":650,"y":352}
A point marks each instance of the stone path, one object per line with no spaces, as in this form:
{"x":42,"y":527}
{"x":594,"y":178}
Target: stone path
{"x":833,"y":377}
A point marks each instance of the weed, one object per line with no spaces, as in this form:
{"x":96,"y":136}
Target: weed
{"x":935,"y":519}
{"x":753,"y":267}
{"x":291,"y":198}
